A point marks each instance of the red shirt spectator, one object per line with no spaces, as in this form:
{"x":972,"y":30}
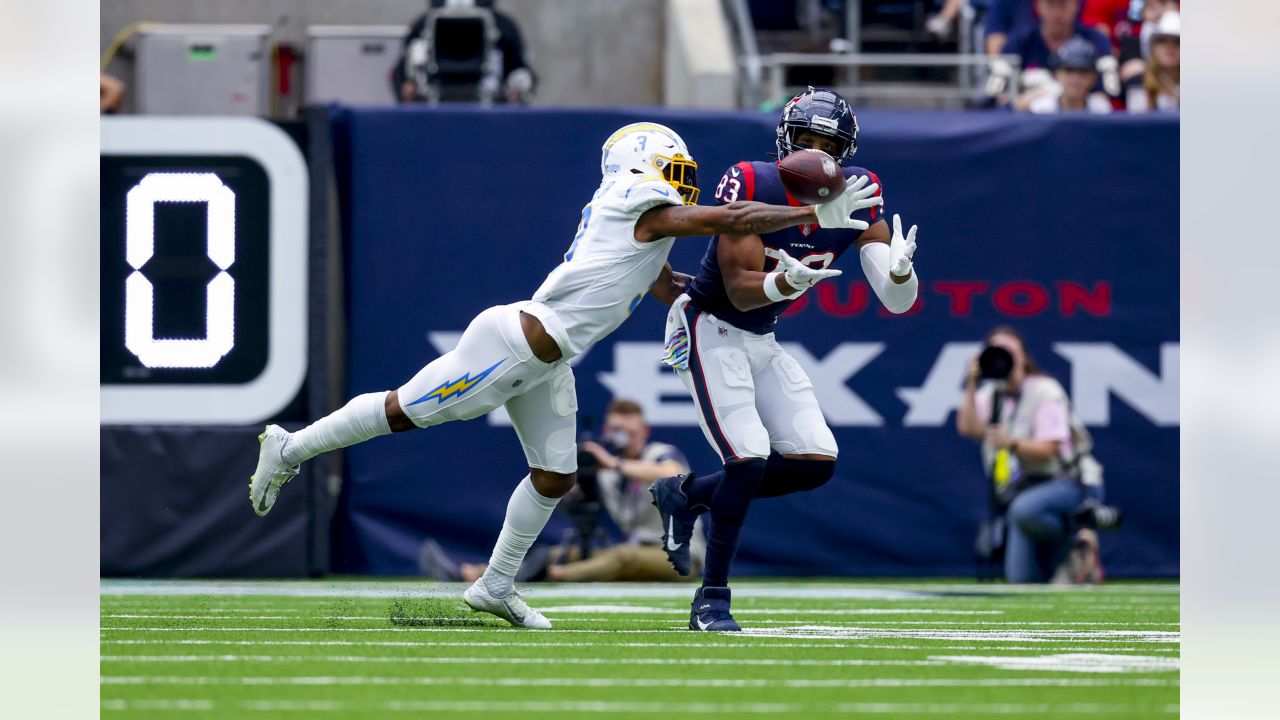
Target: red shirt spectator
{"x":1104,"y":14}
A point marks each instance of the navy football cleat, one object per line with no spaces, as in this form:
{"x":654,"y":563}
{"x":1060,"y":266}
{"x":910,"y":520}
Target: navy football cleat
{"x":710,"y":611}
{"x":677,"y":520}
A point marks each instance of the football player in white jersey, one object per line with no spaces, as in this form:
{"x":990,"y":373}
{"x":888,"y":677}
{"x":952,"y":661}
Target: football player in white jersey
{"x":517,"y":355}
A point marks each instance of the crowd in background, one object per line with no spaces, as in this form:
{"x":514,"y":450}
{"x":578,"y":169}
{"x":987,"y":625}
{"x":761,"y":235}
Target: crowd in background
{"x":1095,"y":56}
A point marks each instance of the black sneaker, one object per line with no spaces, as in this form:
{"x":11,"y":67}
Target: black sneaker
{"x":1096,"y":516}
{"x":677,"y":520}
{"x":710,"y":611}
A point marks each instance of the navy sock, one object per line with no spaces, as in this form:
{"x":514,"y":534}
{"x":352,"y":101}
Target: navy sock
{"x":729,"y":505}
{"x":700,"y":488}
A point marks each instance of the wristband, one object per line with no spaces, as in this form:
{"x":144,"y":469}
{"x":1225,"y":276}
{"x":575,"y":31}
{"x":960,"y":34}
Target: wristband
{"x":772,"y":292}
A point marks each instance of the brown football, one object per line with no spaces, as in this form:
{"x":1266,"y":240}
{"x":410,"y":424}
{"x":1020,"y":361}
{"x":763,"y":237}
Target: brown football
{"x":811,"y":176}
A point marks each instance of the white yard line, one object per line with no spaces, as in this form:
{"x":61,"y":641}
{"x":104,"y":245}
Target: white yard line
{"x":835,"y":630}
{"x":1070,"y":662}
{"x":634,"y":708}
{"x":1027,"y":709}
{"x":731,"y":646}
{"x":846,"y":683}
{"x":426,"y":706}
{"x":453,"y":660}
{"x":668,"y":613}
{"x":278,"y":613}
{"x":424,"y":589}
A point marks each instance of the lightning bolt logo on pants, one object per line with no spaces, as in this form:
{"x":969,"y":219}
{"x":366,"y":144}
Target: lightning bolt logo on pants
{"x":446,"y":390}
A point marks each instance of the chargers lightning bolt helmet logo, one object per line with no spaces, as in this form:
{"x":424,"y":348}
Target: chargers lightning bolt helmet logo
{"x":453,"y":388}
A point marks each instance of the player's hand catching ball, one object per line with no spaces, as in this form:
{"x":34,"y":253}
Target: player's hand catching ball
{"x":857,"y":195}
{"x":799,"y":275}
{"x":901,"y":249}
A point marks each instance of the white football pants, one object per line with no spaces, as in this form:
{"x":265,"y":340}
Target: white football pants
{"x":493,"y":366}
{"x":752,"y":396}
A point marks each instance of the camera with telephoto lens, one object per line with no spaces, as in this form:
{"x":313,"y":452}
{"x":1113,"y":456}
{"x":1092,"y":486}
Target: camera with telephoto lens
{"x":584,"y":507}
{"x":995,"y":363}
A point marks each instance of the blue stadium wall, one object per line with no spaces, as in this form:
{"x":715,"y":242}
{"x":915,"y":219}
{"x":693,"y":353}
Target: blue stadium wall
{"x":1065,"y":228}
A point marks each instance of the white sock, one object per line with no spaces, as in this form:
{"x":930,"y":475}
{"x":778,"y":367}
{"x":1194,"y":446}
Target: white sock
{"x":527,"y":513}
{"x":363,"y":418}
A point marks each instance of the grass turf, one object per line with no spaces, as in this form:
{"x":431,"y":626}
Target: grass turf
{"x":812,"y":649}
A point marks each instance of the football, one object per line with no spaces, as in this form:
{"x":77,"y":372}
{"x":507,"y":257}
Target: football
{"x":811,"y":176}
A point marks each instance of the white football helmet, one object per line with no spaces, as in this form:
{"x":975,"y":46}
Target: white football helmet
{"x":645,"y":147}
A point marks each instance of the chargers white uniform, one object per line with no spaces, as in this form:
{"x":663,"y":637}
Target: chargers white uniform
{"x":604,"y":275}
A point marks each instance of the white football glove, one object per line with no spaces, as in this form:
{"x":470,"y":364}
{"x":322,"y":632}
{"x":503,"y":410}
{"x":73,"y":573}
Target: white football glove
{"x":857,"y":196}
{"x":797,"y":274}
{"x":901,"y":249}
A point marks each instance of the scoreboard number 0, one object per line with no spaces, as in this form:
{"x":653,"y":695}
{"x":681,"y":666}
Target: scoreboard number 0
{"x":203,"y":278}
{"x":139,"y":306}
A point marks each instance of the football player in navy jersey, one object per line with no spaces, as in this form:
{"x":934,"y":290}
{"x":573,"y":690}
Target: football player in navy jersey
{"x":755,"y":404}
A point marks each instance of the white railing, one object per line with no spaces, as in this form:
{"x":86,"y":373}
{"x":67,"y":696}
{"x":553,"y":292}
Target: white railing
{"x":774,"y":69}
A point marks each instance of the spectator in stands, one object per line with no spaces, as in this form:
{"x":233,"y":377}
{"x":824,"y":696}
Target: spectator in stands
{"x":1003,"y":17}
{"x":1037,"y":41}
{"x":1034,"y":450}
{"x":1105,"y":16}
{"x":516,"y":76}
{"x":1158,"y":88}
{"x":110,"y":93}
{"x":615,"y":472}
{"x":941,"y":22}
{"x":1075,"y":74}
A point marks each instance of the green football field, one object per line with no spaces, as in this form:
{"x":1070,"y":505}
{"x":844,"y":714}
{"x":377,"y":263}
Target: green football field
{"x":887,"y":649}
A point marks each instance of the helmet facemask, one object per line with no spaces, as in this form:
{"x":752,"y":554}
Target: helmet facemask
{"x":682,"y":173}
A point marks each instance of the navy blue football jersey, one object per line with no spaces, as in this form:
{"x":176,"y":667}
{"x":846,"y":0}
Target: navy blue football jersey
{"x":809,"y":244}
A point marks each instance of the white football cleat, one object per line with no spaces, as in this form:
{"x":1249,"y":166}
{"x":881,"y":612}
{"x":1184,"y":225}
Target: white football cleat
{"x":511,"y":608}
{"x":264,"y":484}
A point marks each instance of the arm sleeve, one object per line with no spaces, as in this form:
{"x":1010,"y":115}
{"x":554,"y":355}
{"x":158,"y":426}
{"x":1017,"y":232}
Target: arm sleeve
{"x":737,"y":183}
{"x":896,"y":297}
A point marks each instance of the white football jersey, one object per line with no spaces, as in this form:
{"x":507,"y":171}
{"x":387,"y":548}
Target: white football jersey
{"x":606,"y":271}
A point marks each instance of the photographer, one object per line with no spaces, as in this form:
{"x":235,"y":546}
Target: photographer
{"x":1045,"y":482}
{"x":618,"y":471}
{"x":614,"y":475}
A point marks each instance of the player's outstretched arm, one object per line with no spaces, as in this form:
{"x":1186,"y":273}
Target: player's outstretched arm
{"x":739,"y":218}
{"x":887,"y":263}
{"x":753,"y":218}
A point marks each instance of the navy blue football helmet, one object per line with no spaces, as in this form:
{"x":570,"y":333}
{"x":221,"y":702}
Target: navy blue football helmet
{"x":821,"y":111}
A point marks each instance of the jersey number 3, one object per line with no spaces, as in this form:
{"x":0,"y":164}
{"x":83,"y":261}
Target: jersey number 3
{"x":582,"y":229}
